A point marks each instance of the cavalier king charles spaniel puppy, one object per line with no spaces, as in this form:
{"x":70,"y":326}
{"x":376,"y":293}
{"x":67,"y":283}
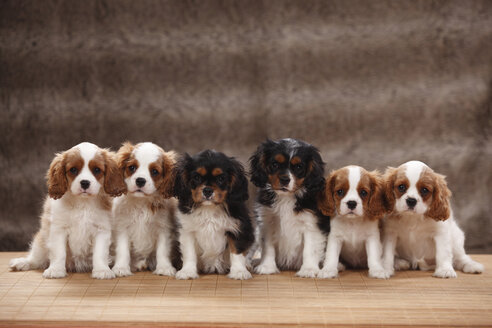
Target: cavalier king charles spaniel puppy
{"x":215,"y":228}
{"x":144,"y":220}
{"x":75,"y":232}
{"x":421,"y":230}
{"x":289,"y":174}
{"x":354,"y":199}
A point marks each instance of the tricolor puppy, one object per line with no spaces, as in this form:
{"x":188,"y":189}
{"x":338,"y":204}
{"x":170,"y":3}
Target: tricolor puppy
{"x":421,"y":230}
{"x":75,"y":232}
{"x":143,"y":219}
{"x":354,"y":199}
{"x":215,"y":229}
{"x":289,"y":174}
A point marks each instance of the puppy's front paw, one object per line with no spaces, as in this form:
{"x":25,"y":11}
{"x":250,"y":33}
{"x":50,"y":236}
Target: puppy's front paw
{"x":187,"y":273}
{"x":19,"y":264}
{"x":473,"y":267}
{"x":165,"y":271}
{"x":241,"y":274}
{"x":267,"y":268}
{"x":401,"y":264}
{"x":121,"y":271}
{"x":327,"y":274}
{"x":379,"y":273}
{"x":103,"y":274}
{"x":53,"y":273}
{"x":307,"y":272}
{"x":445,"y":273}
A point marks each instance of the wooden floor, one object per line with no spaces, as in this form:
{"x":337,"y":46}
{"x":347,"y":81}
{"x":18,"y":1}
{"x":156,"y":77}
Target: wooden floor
{"x":409,"y":298}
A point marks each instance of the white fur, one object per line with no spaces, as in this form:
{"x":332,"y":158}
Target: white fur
{"x":203,"y":243}
{"x":290,"y":240}
{"x":353,"y":238}
{"x":75,"y":230}
{"x":141,"y":232}
{"x":422,"y":242}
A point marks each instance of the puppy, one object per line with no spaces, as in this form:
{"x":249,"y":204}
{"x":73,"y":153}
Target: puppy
{"x":354,"y":199}
{"x":289,"y":174}
{"x":144,"y":217}
{"x":75,"y":232}
{"x":421,"y":229}
{"x":215,"y":229}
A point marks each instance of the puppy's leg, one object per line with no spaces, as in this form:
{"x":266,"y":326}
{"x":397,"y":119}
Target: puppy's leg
{"x":238,"y":267}
{"x":444,"y":256}
{"x":374,"y":261}
{"x":330,"y":266}
{"x":36,"y":259}
{"x":389,"y":246}
{"x":100,"y":256}
{"x":57,"y":244}
{"x":311,"y":255}
{"x":267,"y":264}
{"x":164,"y":266}
{"x":121,"y":266}
{"x":188,"y":251}
{"x":462,"y":261}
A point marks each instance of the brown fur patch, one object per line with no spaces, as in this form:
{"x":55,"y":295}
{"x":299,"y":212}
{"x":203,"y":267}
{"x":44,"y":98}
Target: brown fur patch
{"x":219,"y":195}
{"x":280,"y":158}
{"x":393,"y":177}
{"x":328,"y":199}
{"x":168,"y":164}
{"x":439,"y":208}
{"x":114,"y":183}
{"x":123,"y":157}
{"x":201,"y":170}
{"x":274,"y":181}
{"x":374,"y":202}
{"x":217,"y":171}
{"x":295,"y":160}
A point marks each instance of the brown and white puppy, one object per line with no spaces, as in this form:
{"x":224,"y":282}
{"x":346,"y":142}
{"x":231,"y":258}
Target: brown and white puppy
{"x":354,"y":199}
{"x":421,"y":230}
{"x":143,"y":219}
{"x":75,"y":232}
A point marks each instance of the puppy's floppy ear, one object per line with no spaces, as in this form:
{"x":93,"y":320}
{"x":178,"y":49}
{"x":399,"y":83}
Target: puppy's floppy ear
{"x":326,"y":203}
{"x":439,"y":209}
{"x":258,"y":172}
{"x":56,"y":178}
{"x":239,"y":184}
{"x":166,"y":188}
{"x":124,"y":154}
{"x":389,"y":179}
{"x":376,"y":205}
{"x":114,"y":184}
{"x":180,"y":177}
{"x":315,"y":180}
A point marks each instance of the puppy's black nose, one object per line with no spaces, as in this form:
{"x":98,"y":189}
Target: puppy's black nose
{"x":140,"y":182}
{"x":85,"y":184}
{"x":207,"y":192}
{"x":352,"y":204}
{"x":411,"y":202}
{"x":284,"y":179}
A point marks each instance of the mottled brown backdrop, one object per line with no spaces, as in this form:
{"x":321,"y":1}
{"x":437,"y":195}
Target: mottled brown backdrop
{"x":374,"y":83}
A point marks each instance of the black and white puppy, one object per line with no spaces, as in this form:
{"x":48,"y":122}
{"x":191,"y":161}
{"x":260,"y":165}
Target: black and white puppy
{"x":289,"y":175}
{"x":215,"y":228}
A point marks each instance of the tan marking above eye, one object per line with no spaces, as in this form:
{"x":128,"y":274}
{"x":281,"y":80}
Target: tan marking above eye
{"x":217,"y":171}
{"x":201,"y":170}
{"x":295,"y":160}
{"x":279,"y":158}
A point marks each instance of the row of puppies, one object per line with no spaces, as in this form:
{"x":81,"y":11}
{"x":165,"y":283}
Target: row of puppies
{"x":215,"y":230}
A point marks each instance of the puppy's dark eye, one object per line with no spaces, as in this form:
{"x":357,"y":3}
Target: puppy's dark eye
{"x":274,"y":165}
{"x":197,"y":178}
{"x":154,"y":172}
{"x":402,"y":188}
{"x":132,"y":168}
{"x":340,"y":192}
{"x":363,"y":193}
{"x":73,"y":170}
{"x":299,"y":166}
{"x":424,"y":191}
{"x":96,"y":170}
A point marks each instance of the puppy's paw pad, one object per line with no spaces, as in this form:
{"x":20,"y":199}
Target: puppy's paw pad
{"x":473,"y":267}
{"x":327,"y":274}
{"x":122,"y":271}
{"x":165,"y":271}
{"x":53,"y":273}
{"x":445,"y":273}
{"x":401,"y":264}
{"x":19,"y":264}
{"x":184,"y":274}
{"x":103,"y":274}
{"x":307,"y":272}
{"x":266,"y":269}
{"x":240,"y":274}
{"x":379,"y":274}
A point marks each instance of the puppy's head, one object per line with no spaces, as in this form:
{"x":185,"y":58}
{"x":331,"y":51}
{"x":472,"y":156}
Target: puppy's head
{"x":415,"y":187}
{"x":210,"y":178}
{"x":353,"y":192}
{"x":287,"y":166}
{"x":147,"y":169}
{"x":83,"y":170}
